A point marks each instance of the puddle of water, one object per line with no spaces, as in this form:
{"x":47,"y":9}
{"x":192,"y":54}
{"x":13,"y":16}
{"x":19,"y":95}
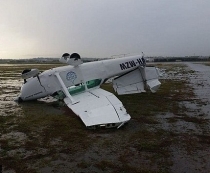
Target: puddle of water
{"x":200,"y":81}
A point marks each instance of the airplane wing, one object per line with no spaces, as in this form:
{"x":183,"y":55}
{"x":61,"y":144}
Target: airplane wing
{"x":135,"y":81}
{"x":98,"y":108}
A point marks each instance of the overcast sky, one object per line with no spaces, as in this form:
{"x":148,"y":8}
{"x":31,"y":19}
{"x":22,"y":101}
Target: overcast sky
{"x":102,"y":28}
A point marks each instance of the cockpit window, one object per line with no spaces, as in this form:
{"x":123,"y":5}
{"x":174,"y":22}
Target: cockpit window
{"x":90,"y":84}
{"x":93,"y":83}
{"x":78,"y":89}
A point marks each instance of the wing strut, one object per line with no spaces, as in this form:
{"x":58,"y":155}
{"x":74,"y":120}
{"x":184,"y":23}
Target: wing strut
{"x":69,"y":97}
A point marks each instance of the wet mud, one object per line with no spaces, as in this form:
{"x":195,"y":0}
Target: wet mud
{"x":169,"y":130}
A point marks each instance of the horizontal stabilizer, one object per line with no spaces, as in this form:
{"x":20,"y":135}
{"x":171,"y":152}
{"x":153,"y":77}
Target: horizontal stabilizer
{"x":129,"y":83}
{"x":131,"y":89}
{"x":136,"y":80}
{"x":152,"y":75}
{"x":153,"y":85}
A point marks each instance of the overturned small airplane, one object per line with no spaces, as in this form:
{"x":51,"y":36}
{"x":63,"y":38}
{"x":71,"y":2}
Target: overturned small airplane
{"x":78,"y":84}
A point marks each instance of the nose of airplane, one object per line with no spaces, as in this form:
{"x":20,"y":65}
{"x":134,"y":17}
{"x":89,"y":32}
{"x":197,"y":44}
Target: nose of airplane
{"x":32,"y":89}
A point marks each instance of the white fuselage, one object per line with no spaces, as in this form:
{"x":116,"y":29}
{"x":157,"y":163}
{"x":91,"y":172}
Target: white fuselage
{"x":47,"y":83}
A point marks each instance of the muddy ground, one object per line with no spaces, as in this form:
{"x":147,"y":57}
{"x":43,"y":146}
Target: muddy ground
{"x":169,"y":130}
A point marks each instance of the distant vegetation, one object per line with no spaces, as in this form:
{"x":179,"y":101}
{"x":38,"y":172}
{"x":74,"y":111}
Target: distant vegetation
{"x":187,"y":58}
{"x":56,"y":60}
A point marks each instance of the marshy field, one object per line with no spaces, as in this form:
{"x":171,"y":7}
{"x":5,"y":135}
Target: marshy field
{"x":169,"y":130}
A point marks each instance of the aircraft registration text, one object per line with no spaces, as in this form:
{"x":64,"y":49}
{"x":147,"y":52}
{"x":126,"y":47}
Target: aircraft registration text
{"x":130,"y":64}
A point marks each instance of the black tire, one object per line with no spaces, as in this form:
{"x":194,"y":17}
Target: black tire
{"x":75,"y":56}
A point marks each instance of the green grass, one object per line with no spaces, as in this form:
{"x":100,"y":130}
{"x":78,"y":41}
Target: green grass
{"x":167,"y":98}
{"x":52,"y":130}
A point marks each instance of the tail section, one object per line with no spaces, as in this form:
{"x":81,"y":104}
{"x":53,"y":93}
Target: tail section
{"x":137,"y":81}
{"x":152,"y":76}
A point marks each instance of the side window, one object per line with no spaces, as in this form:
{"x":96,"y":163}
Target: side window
{"x":93,"y":83}
{"x":76,"y":89}
{"x":80,"y":88}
